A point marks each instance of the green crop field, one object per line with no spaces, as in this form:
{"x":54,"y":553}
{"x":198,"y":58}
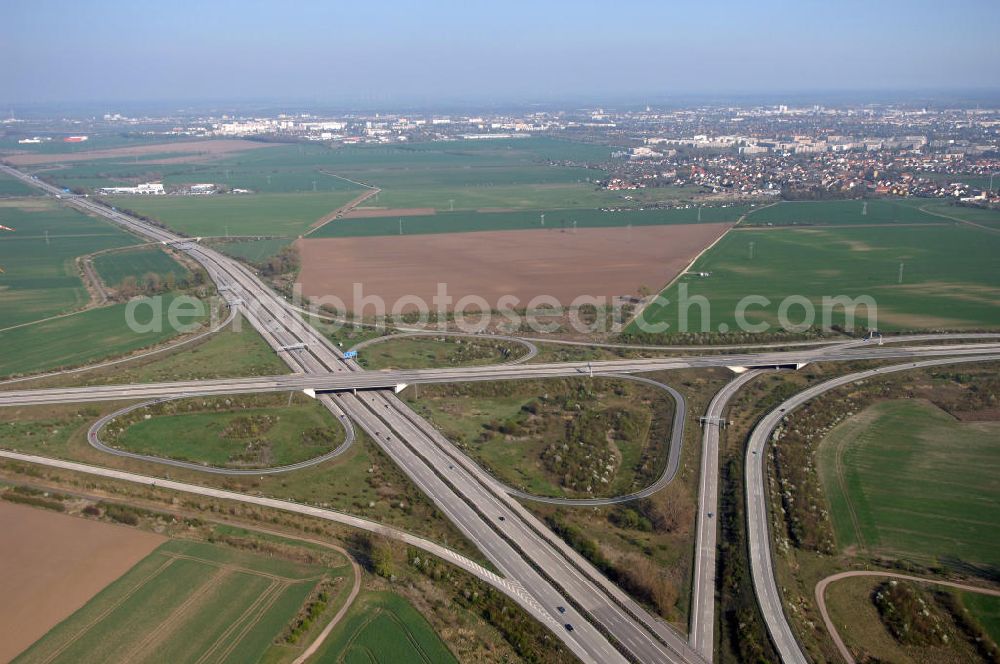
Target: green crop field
{"x":382,"y":627}
{"x":13,"y":187}
{"x":234,"y":432}
{"x":947,"y":212}
{"x":186,"y":601}
{"x":906,"y":479}
{"x":84,"y":337}
{"x":462,"y":222}
{"x":40,"y":276}
{"x":113,"y":268}
{"x":495,"y":185}
{"x":253,"y":251}
{"x":836,"y":213}
{"x":237,"y":214}
{"x":237,"y":350}
{"x":447,"y":175}
{"x":96,"y":142}
{"x":950,"y":279}
{"x":986,"y":610}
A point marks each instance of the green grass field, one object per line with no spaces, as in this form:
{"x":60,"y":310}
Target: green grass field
{"x":253,"y":251}
{"x":96,"y":142}
{"x":10,"y":186}
{"x":461,"y":222}
{"x":239,"y":214}
{"x":474,"y":185}
{"x":228,"y":353}
{"x":863,"y":630}
{"x":948,"y":212}
{"x":837,"y":213}
{"x":253,"y":432}
{"x":186,"y":601}
{"x":40,"y":276}
{"x":907,"y":480}
{"x":81,"y":338}
{"x":113,"y":268}
{"x":950,"y":279}
{"x":986,"y":610}
{"x":382,"y":627}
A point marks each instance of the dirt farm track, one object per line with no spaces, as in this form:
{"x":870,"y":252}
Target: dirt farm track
{"x":600,"y":262}
{"x":53,"y":564}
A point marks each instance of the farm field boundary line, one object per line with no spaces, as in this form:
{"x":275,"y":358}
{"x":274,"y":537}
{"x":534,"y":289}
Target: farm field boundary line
{"x":959,"y":219}
{"x":806,"y":227}
{"x":341,"y":211}
{"x":323,"y":635}
{"x":355,"y":567}
{"x":92,"y":279}
{"x":48,"y":319}
{"x":89,"y":367}
{"x":508,"y":587}
{"x":684,"y":271}
{"x":832,"y":629}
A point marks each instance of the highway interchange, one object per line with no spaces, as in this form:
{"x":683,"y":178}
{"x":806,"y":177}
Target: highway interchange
{"x":593,"y":617}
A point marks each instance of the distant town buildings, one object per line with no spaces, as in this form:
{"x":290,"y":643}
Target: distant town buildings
{"x":715,"y":152}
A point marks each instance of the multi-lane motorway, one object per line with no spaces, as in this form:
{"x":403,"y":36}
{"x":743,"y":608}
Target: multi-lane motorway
{"x":592,"y":616}
{"x":595,"y":620}
{"x":337,"y":379}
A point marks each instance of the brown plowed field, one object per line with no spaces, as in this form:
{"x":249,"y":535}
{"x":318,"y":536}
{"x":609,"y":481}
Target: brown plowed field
{"x":207,"y":150}
{"x":52,"y":564}
{"x":594,"y":261}
{"x":365,"y":213}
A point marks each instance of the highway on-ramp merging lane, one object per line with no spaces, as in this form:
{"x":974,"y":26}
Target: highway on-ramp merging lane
{"x":595,"y":619}
{"x":761,"y":559}
{"x":332,"y":380}
{"x":701,"y":634}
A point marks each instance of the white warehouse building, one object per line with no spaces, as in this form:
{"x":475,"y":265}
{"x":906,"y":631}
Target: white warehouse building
{"x":146,"y":189}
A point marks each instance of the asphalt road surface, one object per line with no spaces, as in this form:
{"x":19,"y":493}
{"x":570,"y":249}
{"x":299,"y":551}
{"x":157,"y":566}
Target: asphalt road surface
{"x":701,"y":634}
{"x":761,"y":559}
{"x":340,"y":379}
{"x":553,"y":582}
{"x":567,"y":589}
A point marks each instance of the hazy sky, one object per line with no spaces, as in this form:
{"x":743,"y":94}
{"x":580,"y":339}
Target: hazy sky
{"x":508,"y":50}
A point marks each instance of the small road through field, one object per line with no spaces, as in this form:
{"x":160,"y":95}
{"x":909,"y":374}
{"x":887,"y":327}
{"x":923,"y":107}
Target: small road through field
{"x":832,"y":629}
{"x":343,"y":209}
{"x":959,"y":220}
{"x":355,"y":589}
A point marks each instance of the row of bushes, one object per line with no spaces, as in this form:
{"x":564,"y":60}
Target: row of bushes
{"x":637,"y":574}
{"x":15,"y":496}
